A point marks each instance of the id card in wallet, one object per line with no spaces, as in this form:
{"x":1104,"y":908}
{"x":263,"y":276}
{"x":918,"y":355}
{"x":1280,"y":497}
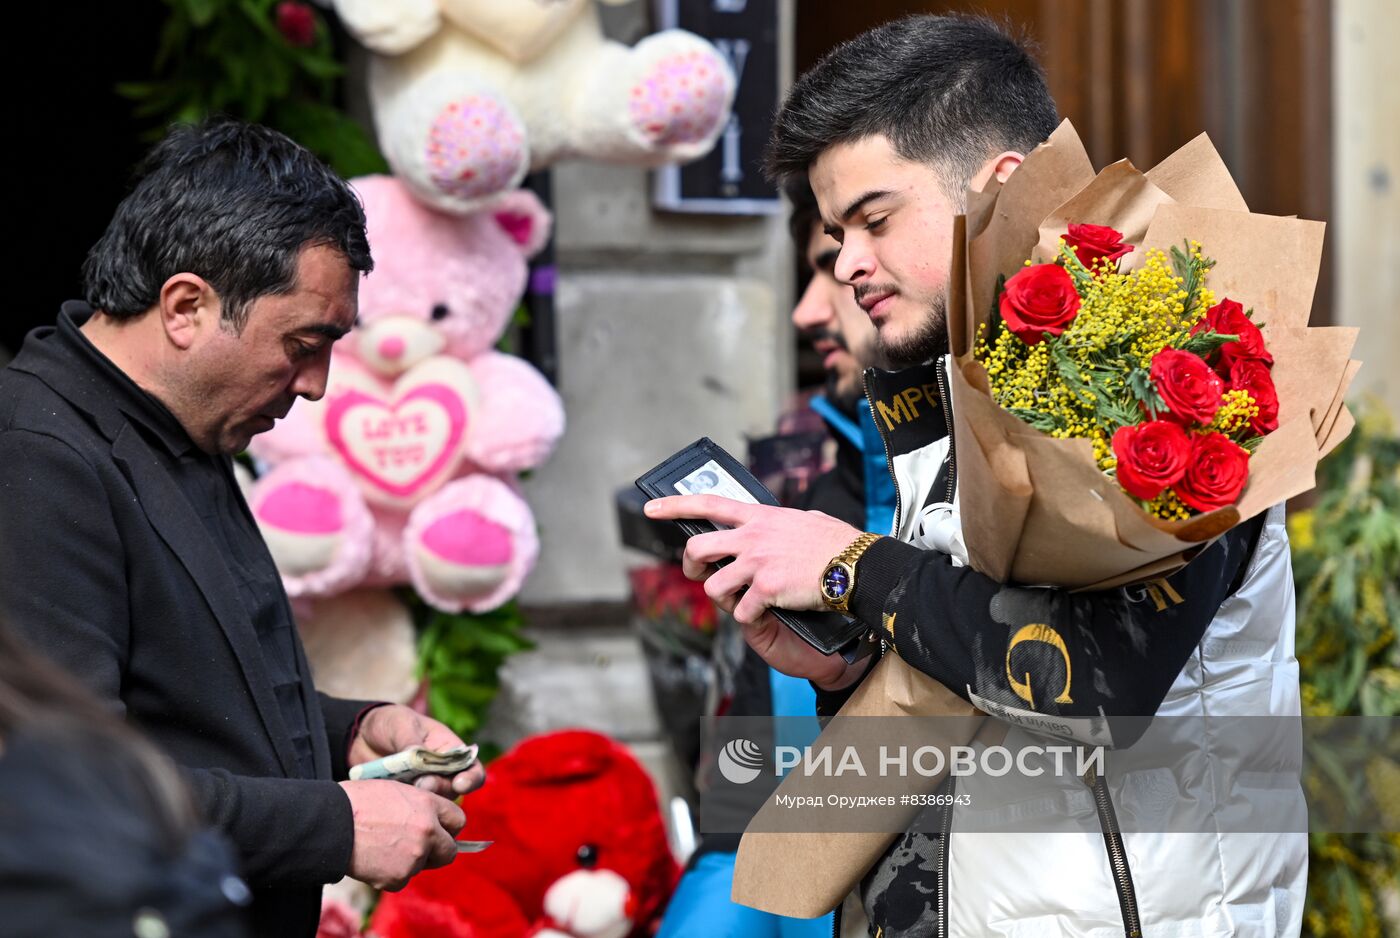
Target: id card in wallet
{"x":706,"y":468}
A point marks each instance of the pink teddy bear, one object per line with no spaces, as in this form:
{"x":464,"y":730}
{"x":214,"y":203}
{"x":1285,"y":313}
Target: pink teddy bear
{"x":404,"y":470}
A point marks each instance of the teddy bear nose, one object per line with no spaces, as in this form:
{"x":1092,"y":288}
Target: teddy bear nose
{"x":391,"y":347}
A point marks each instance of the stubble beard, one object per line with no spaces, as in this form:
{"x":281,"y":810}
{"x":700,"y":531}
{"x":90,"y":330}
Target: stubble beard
{"x":845,"y":392}
{"x":928,"y":342}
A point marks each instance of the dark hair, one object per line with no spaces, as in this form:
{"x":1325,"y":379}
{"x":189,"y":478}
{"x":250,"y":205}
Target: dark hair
{"x":805,"y":212}
{"x":950,"y":91}
{"x":232,"y":202}
{"x":40,"y":698}
{"x":107,"y":831}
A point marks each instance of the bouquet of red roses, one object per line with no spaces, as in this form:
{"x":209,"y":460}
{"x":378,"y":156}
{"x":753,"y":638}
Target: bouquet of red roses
{"x":1146,"y":380}
{"x":1172,"y":388}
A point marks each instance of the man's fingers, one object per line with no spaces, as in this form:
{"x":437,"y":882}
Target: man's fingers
{"x":443,"y":850}
{"x":750,"y":608}
{"x":449,"y":815}
{"x":713,"y":546}
{"x":695,"y":570}
{"x":709,"y":507}
{"x":725,"y":582}
{"x":436,"y":784}
{"x":470,"y":780}
{"x":440,"y":738}
{"x":703,"y":550}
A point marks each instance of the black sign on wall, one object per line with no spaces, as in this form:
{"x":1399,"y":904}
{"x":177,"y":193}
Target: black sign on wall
{"x":729,"y":179}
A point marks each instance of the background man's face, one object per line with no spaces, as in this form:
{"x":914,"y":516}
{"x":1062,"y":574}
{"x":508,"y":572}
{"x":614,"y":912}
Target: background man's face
{"x":828,"y":316}
{"x":233,"y":386}
{"x":894,"y":223}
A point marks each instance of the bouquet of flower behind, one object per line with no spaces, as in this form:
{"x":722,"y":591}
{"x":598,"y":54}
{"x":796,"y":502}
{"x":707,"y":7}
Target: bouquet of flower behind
{"x":1134,"y":374}
{"x":678,"y":628}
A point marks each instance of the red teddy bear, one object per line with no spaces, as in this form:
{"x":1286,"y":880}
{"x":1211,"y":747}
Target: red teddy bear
{"x":579,"y":851}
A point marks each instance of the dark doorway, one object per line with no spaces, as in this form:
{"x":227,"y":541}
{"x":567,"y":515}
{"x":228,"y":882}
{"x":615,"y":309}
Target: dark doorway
{"x":77,"y":142}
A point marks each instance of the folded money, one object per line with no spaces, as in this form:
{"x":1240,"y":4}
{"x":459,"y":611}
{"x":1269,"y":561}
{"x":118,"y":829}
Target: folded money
{"x":409,"y":764}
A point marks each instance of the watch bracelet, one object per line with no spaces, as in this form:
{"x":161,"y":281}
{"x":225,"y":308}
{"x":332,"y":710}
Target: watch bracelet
{"x":857,"y":547}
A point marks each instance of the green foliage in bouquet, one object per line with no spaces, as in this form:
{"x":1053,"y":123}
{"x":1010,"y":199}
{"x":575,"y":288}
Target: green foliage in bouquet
{"x":1346,"y":564}
{"x":460,"y":655}
{"x":264,"y":61}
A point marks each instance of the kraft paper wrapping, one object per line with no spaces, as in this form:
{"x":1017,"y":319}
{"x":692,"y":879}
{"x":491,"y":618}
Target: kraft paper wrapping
{"x":805,"y":875}
{"x":1078,"y":529}
{"x":1037,"y":510}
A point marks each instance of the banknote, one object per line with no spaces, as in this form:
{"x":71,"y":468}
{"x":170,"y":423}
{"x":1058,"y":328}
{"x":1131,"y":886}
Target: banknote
{"x":409,"y":764}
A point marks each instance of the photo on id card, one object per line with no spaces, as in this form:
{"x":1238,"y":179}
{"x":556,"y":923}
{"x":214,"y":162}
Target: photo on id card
{"x":711,"y":479}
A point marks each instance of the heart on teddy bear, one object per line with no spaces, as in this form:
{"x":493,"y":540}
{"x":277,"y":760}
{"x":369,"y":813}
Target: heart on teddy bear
{"x":401,"y":441}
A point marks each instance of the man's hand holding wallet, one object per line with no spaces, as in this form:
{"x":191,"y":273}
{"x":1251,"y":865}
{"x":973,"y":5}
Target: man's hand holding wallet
{"x":784,"y":574}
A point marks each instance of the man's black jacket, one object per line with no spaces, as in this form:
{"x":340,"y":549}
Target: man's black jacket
{"x":105,"y":566}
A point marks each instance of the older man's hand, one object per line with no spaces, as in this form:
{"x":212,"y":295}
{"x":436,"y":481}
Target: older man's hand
{"x":399,"y":830}
{"x":387,"y":730}
{"x":778,"y":558}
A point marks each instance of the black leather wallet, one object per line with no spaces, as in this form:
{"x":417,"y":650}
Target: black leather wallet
{"x":706,"y":468}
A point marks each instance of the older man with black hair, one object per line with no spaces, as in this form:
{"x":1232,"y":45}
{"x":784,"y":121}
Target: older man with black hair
{"x":127,"y":553}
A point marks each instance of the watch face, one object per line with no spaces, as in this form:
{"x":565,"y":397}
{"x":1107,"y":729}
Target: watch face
{"x":836,"y":581}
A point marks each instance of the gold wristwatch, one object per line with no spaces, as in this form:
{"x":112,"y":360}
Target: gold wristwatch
{"x":839,"y":578}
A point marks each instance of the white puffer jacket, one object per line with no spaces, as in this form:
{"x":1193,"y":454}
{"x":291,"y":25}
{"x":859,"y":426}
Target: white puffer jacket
{"x":1211,"y":874}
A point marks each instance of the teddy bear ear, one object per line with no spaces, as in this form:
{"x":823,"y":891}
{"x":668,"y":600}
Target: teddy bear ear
{"x":522,"y":216}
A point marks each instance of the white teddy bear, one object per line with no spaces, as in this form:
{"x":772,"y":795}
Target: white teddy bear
{"x":469,"y":95}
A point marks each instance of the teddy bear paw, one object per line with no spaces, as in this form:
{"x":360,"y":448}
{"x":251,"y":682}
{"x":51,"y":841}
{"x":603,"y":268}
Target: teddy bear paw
{"x":316,"y":526}
{"x":682,"y":94}
{"x":470,"y":545}
{"x":475,"y":148}
{"x":465,"y":554}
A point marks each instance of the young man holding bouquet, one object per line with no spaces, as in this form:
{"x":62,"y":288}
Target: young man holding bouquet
{"x":892,"y":128}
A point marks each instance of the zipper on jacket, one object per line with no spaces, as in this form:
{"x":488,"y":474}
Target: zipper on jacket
{"x":889,"y":463}
{"x":945,"y":827}
{"x":1117,"y":854}
{"x":836,"y":919}
{"x":940,"y":371}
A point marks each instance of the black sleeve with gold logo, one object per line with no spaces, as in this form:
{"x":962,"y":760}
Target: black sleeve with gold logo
{"x":1046,"y":651}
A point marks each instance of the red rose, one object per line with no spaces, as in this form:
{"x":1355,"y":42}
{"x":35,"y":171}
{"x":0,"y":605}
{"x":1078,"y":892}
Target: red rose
{"x":1216,"y":473}
{"x":296,"y":22}
{"x":1093,"y":243}
{"x":1192,"y":391}
{"x":1039,"y":301}
{"x":1227,"y":318}
{"x":1252,"y":375}
{"x":1151,"y":456}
